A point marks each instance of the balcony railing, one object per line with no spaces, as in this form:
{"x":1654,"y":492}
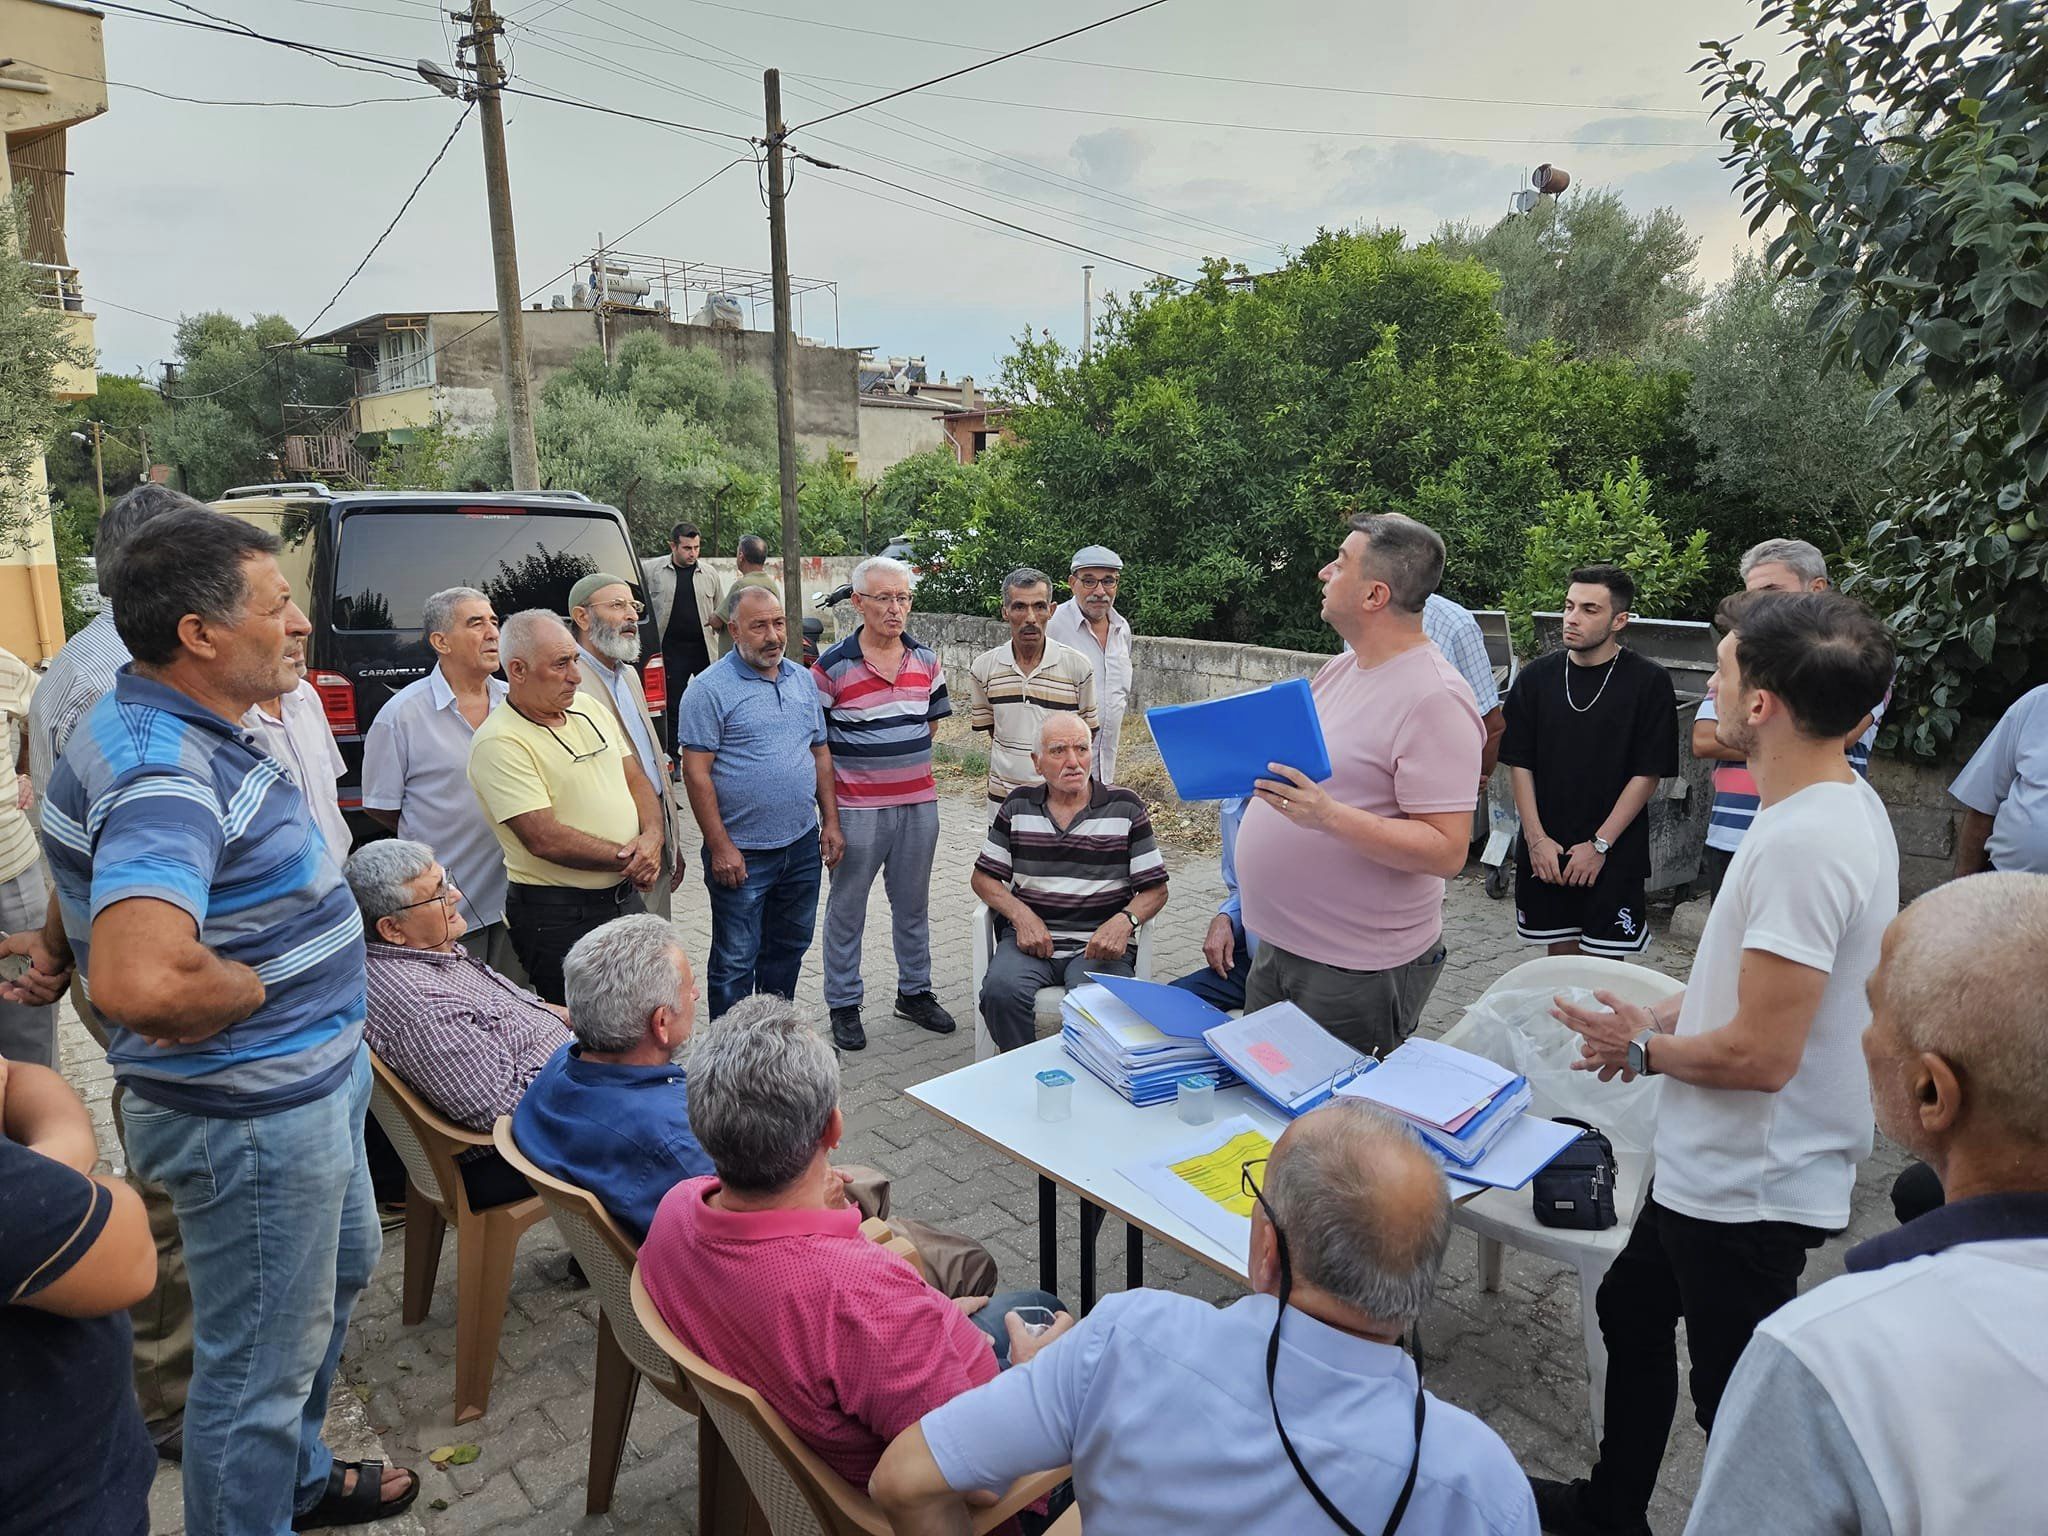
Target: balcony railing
{"x":57,"y":287}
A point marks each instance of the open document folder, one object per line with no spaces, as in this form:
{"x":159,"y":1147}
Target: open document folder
{"x":1215,"y":749}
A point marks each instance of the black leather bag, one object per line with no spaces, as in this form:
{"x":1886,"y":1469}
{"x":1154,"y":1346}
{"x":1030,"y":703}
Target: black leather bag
{"x":1577,"y":1189}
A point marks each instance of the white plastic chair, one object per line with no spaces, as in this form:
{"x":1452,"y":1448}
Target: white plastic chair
{"x":1502,"y":1217}
{"x":1045,"y":1008}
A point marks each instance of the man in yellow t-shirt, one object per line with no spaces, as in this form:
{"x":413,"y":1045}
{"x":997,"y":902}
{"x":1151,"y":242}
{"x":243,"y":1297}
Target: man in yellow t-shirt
{"x":577,"y":817}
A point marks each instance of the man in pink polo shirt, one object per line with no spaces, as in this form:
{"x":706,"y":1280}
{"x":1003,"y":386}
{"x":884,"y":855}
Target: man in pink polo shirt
{"x":1343,"y":881}
{"x":763,"y":1271}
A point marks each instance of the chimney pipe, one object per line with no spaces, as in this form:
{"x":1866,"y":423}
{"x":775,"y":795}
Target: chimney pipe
{"x":1087,"y":308}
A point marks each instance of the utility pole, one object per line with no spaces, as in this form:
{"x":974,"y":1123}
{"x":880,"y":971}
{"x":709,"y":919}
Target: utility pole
{"x":484,"y":29}
{"x":99,"y":474}
{"x":785,"y":359}
{"x":1087,"y":308}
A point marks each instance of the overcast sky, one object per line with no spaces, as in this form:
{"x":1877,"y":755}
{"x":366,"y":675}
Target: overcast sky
{"x":179,"y":208}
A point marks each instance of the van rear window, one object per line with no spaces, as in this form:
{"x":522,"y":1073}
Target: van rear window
{"x":390,"y":563}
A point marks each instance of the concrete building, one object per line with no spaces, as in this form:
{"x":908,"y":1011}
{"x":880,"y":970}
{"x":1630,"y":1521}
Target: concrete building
{"x":903,"y":411}
{"x":411,"y":368}
{"x":40,"y":103}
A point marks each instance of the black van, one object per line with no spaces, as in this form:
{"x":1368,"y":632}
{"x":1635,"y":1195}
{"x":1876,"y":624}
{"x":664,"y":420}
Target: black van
{"x":363,"y":564}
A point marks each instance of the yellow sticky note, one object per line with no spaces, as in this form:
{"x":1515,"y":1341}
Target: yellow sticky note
{"x":1219,"y":1175}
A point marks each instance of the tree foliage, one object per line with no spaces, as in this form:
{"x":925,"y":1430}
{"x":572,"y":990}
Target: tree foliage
{"x":1582,"y":272}
{"x":1906,"y":157}
{"x":1783,"y":445}
{"x":1612,"y":527}
{"x":1219,"y":438}
{"x":241,"y":389}
{"x":34,"y":345}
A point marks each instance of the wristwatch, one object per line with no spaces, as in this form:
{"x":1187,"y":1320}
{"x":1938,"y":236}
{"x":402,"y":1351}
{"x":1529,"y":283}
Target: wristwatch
{"x":1601,"y":845}
{"x":1639,"y":1053}
{"x":1131,"y":920}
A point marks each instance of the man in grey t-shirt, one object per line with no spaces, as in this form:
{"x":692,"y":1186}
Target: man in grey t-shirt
{"x":2004,"y":790}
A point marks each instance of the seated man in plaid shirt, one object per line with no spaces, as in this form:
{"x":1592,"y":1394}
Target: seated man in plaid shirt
{"x":460,"y":1035}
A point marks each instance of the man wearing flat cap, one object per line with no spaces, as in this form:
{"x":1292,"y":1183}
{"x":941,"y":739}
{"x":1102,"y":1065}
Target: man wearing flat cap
{"x":1088,"y":621}
{"x":606,"y":617}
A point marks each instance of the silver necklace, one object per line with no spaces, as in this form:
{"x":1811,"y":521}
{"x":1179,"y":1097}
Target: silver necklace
{"x":1580,"y":709}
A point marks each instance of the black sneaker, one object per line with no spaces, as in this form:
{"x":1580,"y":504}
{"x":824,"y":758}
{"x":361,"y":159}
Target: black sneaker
{"x":923,"y":1010}
{"x":1561,"y":1510}
{"x":846,"y":1031}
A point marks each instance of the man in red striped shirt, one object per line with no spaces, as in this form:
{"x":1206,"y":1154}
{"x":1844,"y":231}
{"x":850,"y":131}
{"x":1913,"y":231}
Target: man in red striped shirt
{"x":882,"y":692}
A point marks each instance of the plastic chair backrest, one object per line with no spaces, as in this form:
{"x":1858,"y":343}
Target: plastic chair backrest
{"x":602,"y":1248}
{"x":796,"y":1491}
{"x":402,"y":1122}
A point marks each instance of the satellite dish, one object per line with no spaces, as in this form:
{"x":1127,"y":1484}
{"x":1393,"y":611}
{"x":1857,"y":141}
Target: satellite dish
{"x":1524,"y":200}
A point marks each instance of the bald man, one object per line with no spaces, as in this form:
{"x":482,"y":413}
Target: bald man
{"x":1909,"y":1394}
{"x":1072,"y":872}
{"x":1349,"y":1219}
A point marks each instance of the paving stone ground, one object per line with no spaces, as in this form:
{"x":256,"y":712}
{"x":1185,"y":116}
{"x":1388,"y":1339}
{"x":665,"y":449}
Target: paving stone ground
{"x":1514,"y":1356}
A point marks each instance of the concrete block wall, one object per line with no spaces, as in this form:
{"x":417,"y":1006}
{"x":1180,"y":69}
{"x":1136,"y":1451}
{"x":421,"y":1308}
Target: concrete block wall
{"x":1170,"y":671}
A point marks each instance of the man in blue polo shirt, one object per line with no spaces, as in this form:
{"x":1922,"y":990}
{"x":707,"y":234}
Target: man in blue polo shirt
{"x":760,"y":783}
{"x":224,"y":954}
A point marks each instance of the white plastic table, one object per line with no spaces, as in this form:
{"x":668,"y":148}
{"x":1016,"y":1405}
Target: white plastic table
{"x":996,"y":1101}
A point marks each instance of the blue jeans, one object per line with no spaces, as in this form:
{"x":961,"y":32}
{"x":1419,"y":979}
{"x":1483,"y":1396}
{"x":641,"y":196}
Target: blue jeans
{"x":281,"y":1236}
{"x":990,"y":1318}
{"x":761,"y":928}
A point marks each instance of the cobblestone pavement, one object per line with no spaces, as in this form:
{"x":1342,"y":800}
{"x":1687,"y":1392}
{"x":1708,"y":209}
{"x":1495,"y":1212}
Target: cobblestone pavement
{"x":1513,"y":1356}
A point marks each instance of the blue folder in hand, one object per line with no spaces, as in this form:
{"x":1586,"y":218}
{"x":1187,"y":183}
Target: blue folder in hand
{"x":1215,"y":749}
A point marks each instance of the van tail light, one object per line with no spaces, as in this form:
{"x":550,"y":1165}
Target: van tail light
{"x":654,"y":682}
{"x":338,"y":699}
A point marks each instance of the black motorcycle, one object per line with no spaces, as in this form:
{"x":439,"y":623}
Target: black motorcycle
{"x":814,"y":625}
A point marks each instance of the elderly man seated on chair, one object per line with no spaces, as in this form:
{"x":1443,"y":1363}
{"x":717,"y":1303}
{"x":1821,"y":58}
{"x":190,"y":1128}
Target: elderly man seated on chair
{"x":464,"y":1038}
{"x":763,"y":1271}
{"x":1180,"y":1416}
{"x":1071,"y":870}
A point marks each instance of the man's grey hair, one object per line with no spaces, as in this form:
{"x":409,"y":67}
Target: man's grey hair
{"x":527,"y":629}
{"x":617,"y":975}
{"x":380,"y":875}
{"x":1025,"y":576}
{"x":437,"y":614}
{"x":1054,"y":718}
{"x":762,"y":1087}
{"x":1964,"y":978}
{"x":1337,"y":1193}
{"x":754,"y":549}
{"x":876,"y":565}
{"x":746,"y":594}
{"x":1802,"y":559}
{"x":1408,"y":556}
{"x":128,"y":514}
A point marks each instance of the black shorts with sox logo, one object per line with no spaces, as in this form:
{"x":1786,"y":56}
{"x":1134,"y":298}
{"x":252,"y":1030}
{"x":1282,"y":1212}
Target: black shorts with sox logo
{"x":1609,"y":917}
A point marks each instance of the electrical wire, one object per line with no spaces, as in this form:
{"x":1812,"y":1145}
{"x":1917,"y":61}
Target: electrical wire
{"x":377,"y":244}
{"x":989,"y":218}
{"x":417,"y":188}
{"x":208,"y":101}
{"x":1320,"y":133}
{"x":756,"y":14}
{"x":984,"y":64}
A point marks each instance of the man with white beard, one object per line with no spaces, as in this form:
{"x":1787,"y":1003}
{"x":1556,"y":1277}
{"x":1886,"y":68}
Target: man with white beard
{"x":607,"y":618}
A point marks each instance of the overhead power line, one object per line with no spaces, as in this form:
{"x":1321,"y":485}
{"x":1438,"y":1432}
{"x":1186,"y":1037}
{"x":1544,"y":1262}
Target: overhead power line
{"x":984,"y":64}
{"x":987,"y":218}
{"x":212,"y":101}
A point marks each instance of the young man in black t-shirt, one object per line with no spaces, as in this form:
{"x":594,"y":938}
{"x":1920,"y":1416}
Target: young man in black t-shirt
{"x":1590,"y":730}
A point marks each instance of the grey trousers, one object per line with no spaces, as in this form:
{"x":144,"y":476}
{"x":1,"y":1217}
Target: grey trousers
{"x":26,"y":1034}
{"x":1370,"y":1011}
{"x":898,"y":842}
{"x":1011,"y":986}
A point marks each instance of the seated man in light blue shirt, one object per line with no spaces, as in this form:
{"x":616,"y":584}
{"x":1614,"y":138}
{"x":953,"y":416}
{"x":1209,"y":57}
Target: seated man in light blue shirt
{"x":1228,"y":945}
{"x":1177,"y":1416}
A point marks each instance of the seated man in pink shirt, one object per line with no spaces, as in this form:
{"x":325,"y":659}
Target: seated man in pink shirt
{"x":763,"y":1271}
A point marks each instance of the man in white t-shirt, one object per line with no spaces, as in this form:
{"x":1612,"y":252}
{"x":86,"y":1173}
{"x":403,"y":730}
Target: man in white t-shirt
{"x":1767,"y":1112}
{"x":1909,"y":1395}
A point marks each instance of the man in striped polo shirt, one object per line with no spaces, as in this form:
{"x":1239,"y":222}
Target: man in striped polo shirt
{"x":1015,"y":686}
{"x":882,"y":693}
{"x":1071,"y":869}
{"x":224,"y":955}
